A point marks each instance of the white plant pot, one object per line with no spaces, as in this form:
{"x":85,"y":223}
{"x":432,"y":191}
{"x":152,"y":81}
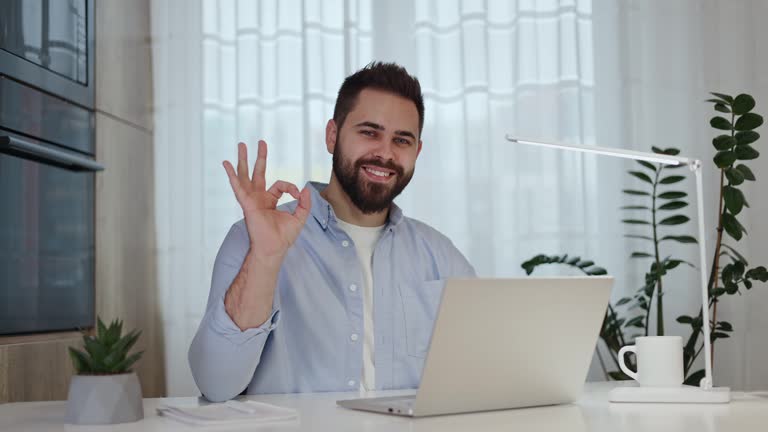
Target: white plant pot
{"x":104,"y":399}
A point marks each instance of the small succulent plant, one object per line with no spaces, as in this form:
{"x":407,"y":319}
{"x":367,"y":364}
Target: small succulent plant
{"x":107,"y":352}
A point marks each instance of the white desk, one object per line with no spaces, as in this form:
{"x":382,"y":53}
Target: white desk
{"x":318,"y":412}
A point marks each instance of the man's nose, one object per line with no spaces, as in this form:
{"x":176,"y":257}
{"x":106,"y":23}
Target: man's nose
{"x":384,"y":149}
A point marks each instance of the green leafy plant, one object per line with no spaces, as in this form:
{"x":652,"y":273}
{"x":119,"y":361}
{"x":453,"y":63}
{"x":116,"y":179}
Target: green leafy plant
{"x":734,"y":147}
{"x":106,"y":353}
{"x":656,"y":202}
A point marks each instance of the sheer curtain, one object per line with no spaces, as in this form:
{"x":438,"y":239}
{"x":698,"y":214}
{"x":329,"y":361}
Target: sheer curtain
{"x":229,"y":71}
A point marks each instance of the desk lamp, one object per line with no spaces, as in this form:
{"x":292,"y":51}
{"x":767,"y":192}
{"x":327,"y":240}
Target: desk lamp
{"x":705,"y":393}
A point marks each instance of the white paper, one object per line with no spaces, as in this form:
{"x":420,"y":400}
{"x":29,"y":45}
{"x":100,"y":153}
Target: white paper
{"x":229,"y":413}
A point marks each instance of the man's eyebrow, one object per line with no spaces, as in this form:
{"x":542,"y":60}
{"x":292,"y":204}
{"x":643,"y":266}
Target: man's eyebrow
{"x":370,"y":125}
{"x":405,"y":133}
{"x":381,"y":128}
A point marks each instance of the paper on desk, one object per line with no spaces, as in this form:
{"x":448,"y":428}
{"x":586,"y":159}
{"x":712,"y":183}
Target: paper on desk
{"x":229,"y":413}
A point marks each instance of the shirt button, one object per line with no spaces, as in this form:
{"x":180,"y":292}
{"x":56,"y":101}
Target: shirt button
{"x":351,"y":383}
{"x":345,"y":243}
{"x":353,"y":287}
{"x":353,"y":337}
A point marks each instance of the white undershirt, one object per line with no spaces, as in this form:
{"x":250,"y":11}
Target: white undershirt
{"x":365,"y":239}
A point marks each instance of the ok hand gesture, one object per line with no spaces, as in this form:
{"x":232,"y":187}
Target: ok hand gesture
{"x":271,"y":231}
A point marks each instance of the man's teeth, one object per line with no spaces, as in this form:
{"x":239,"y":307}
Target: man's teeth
{"x":377,"y":172}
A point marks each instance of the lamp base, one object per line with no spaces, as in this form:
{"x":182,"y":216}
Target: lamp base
{"x":682,"y":394}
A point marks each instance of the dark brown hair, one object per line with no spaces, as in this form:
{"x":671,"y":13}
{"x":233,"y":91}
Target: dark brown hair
{"x":389,"y":77}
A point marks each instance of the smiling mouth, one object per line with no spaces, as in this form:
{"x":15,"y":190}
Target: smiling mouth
{"x":377,"y":173}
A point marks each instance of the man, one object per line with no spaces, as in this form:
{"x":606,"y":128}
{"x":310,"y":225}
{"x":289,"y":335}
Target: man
{"x":336,"y":290}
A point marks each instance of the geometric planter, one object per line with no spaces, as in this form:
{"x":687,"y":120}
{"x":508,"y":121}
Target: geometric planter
{"x":104,"y":399}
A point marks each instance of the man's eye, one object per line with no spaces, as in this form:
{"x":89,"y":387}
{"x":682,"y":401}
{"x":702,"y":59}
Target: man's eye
{"x":402,"y":141}
{"x":368,"y":132}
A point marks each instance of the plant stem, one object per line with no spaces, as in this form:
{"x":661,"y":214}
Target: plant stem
{"x":659,"y":300}
{"x":718,"y":245}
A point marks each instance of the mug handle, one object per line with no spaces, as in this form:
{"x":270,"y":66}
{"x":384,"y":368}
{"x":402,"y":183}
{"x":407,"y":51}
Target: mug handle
{"x":622,"y":352}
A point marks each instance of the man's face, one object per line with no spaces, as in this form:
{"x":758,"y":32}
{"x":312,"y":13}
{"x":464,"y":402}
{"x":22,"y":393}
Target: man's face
{"x":374,"y":153}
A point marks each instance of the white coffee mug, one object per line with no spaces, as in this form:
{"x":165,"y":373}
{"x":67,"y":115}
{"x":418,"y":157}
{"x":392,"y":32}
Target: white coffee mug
{"x":659,"y":361}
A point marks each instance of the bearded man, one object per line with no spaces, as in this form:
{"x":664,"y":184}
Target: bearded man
{"x":337,"y":290}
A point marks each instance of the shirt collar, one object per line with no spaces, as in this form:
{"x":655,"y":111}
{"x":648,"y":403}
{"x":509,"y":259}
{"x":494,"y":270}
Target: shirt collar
{"x":323,"y":212}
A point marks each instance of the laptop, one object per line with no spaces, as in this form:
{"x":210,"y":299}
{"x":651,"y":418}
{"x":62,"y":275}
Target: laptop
{"x":505,"y":343}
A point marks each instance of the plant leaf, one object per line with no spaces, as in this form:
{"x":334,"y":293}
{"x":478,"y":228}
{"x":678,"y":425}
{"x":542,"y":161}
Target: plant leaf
{"x":669,"y":264}
{"x":735,"y":252}
{"x":96,"y":352}
{"x":748,"y":175}
{"x":757,"y":273}
{"x":732,"y":226}
{"x":675,"y":220}
{"x":102,"y":329}
{"x":723,"y":96}
{"x":724,"y":159}
{"x":635,"y":322}
{"x":637,"y":236}
{"x":125,"y":365}
{"x":642,"y":176}
{"x":747,"y":122}
{"x":743,"y":104}
{"x":746,"y":137}
{"x":681,"y":239}
{"x":648,"y":165}
{"x":635,"y":192}
{"x":695,"y":378}
{"x":673,"y":205}
{"x":672,"y":179}
{"x":746,"y":152}
{"x":635,"y":222}
{"x":80,"y":361}
{"x":723,"y":142}
{"x":734,"y":199}
{"x":641,"y":255}
{"x":721,"y":123}
{"x":735,"y":177}
{"x":635,"y":207}
{"x":722,"y":108}
{"x":685,"y":319}
{"x":597,"y":271}
{"x":724,"y":326}
{"x":672,"y":195}
{"x":623,"y":301}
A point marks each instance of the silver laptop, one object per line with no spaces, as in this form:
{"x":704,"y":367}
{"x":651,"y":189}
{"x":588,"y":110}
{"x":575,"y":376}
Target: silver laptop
{"x":505,"y":343}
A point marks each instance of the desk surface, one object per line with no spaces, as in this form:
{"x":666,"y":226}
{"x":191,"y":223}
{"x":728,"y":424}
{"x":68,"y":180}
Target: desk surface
{"x":318,"y":412}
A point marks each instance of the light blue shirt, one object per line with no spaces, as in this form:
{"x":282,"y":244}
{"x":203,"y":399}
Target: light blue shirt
{"x":313,"y":341}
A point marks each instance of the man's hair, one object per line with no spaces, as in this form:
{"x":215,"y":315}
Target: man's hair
{"x":389,"y":77}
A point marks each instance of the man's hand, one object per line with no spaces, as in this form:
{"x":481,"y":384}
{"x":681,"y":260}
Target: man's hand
{"x":271,"y":231}
{"x":249,"y":299}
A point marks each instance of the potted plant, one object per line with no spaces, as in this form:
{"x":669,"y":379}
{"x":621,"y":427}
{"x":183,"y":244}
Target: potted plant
{"x":105,"y":390}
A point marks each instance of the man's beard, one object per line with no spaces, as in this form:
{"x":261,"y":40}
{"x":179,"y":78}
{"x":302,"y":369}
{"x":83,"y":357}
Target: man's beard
{"x":366,"y":195}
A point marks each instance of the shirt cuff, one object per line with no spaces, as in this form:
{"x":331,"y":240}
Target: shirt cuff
{"x":222,"y":324}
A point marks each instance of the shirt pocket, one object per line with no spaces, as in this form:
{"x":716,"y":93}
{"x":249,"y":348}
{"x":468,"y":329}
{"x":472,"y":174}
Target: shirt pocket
{"x":420,"y":300}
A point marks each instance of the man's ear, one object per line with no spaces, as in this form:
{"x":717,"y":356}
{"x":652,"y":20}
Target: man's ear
{"x":418,"y":151}
{"x":331,"y":134}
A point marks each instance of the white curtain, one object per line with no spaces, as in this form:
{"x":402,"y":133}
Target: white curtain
{"x":229,"y":71}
